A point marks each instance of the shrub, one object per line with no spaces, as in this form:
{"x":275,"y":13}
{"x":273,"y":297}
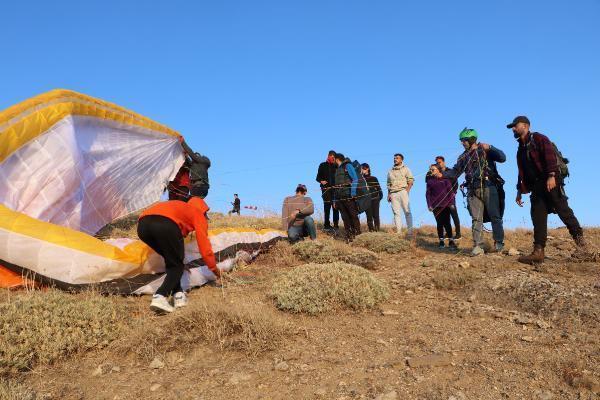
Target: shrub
{"x":10,"y":390}
{"x":316,"y":288}
{"x":322,"y":252}
{"x":244,"y":327}
{"x":453,"y":278}
{"x":381,"y":242}
{"x":42,"y":327}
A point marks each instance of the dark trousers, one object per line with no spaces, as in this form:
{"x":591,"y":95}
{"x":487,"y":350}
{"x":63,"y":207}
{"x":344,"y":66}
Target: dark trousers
{"x":349,"y":213}
{"x":455,"y":219}
{"x":373,"y":215}
{"x":327,"y":206}
{"x":442,"y":217}
{"x":164,"y":237}
{"x":544,"y":202}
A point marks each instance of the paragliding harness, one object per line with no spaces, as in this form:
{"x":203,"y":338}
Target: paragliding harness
{"x":491,"y":175}
{"x":363,"y":195}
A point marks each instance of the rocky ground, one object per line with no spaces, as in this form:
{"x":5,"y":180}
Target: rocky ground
{"x":453,"y":328}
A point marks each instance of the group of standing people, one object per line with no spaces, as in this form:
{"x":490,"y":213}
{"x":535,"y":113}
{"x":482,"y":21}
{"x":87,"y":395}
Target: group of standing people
{"x":542,"y":170}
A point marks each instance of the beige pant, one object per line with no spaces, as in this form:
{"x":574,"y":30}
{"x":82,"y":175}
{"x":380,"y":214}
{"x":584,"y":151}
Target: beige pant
{"x":400,"y":203}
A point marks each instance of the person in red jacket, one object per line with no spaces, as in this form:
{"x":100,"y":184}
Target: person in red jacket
{"x":163,"y":227}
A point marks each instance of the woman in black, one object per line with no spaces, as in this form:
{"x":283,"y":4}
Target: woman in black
{"x":376,"y":196}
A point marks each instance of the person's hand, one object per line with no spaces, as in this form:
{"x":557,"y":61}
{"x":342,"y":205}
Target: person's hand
{"x":335,"y":206}
{"x":484,"y":146}
{"x":389,"y":198}
{"x":551,"y":183}
{"x":519,"y":200}
{"x":323,"y":183}
{"x":180,"y":139}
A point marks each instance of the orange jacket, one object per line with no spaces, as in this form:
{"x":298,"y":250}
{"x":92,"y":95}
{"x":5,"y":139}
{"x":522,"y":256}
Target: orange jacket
{"x":190,"y":216}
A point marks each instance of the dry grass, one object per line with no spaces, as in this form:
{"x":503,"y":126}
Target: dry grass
{"x":381,"y":242}
{"x":328,"y":251}
{"x":279,"y":255}
{"x":316,"y":288}
{"x":248,"y":328}
{"x":453,"y":278}
{"x":11,"y":390}
{"x":218,"y":220}
{"x":41,"y":327}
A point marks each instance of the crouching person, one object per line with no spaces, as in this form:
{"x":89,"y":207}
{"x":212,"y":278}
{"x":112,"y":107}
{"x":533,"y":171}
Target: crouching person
{"x":163,"y":227}
{"x":296,"y":216}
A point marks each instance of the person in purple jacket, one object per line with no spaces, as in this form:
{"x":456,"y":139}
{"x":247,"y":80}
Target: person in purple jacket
{"x":440,"y":197}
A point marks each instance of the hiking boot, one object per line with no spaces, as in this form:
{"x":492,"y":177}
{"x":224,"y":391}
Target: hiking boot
{"x":580,"y":241}
{"x":160,"y":305}
{"x":536,"y":257}
{"x":452,"y":245}
{"x":498,"y":247}
{"x":180,"y":300}
{"x":477,"y":251}
{"x":441,"y":244}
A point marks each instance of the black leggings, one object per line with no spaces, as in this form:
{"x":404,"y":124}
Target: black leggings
{"x":442,"y":217}
{"x":373,"y":215}
{"x":164,"y":237}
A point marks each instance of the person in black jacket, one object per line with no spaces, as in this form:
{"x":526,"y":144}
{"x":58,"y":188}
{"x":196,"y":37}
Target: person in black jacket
{"x":326,"y":178}
{"x":198,"y":165}
{"x":376,"y":196}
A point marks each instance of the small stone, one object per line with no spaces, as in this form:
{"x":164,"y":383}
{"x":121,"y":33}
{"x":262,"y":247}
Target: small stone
{"x":544,"y":395}
{"x":238,"y":377}
{"x":464,"y":264}
{"x":155,"y":387}
{"x":411,"y":292}
{"x":282,"y":366}
{"x":116,"y":368}
{"x":528,"y":339}
{"x":383,"y":342}
{"x":390,"y":312}
{"x":471,"y":298}
{"x":157,"y":364}
{"x":542,"y":325}
{"x":433,"y":360}
{"x":321,"y":392}
{"x":427,"y":263}
{"x":101,"y":370}
{"x":513,"y":252}
{"x":387,"y":396}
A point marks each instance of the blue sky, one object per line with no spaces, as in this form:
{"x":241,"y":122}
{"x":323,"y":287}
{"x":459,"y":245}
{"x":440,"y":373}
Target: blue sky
{"x":266,"y":88}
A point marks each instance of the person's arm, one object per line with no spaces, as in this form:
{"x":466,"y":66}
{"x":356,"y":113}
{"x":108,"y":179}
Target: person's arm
{"x":354,"y":178}
{"x":285,"y":217}
{"x":377,"y":187}
{"x":410,"y":180}
{"x":322,"y":175}
{"x":495,"y":154}
{"x":457,"y":169}
{"x":204,"y":246}
{"x":308,"y":208}
{"x":547,"y":154}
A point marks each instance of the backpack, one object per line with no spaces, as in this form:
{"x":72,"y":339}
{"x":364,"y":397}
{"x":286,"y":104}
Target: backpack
{"x":363,"y":195}
{"x":563,"y":168}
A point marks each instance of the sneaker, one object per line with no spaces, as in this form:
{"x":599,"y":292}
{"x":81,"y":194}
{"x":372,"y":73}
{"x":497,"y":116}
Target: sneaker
{"x":180,"y":300}
{"x":498,"y":247}
{"x":477,"y":251}
{"x":452,"y":245}
{"x":441,"y":244}
{"x":458,"y":236}
{"x":160,"y":305}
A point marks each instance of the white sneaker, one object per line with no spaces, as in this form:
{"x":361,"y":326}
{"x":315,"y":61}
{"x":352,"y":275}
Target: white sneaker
{"x":477,"y":251}
{"x":180,"y":300}
{"x":160,"y":305}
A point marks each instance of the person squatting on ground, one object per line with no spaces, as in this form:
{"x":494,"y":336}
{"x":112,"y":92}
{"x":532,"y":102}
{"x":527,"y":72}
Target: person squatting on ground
{"x":484,"y":185}
{"x":440,"y":197}
{"x":540,"y":174}
{"x":237,"y":205}
{"x":296,"y":216}
{"x":346,"y":183}
{"x":376,"y":195}
{"x":399,"y":182}
{"x":198,"y":165}
{"x":163,"y":227}
{"x":326,"y":178}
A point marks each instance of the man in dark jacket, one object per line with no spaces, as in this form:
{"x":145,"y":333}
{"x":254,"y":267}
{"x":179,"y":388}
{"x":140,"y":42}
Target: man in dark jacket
{"x":376,"y":195}
{"x":346,"y":185}
{"x":539,"y":175}
{"x":326,"y":178}
{"x":199,"y":166}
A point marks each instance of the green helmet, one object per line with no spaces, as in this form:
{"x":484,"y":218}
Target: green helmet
{"x":467,"y":133}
